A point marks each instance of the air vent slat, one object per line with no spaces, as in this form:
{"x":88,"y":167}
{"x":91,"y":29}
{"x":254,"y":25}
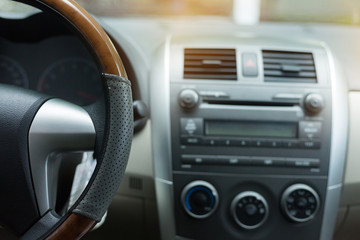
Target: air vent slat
{"x":210,"y":57}
{"x":210,"y":76}
{"x":288,"y":61}
{"x":278,"y":67}
{"x":208,"y":51}
{"x":287,"y":56}
{"x":200,"y":63}
{"x":210,"y":64}
{"x":288,"y":79}
{"x":282,"y":74}
{"x":210,"y":70}
{"x":292,"y":67}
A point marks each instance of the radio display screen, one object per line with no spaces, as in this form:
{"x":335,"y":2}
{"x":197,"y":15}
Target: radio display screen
{"x":251,"y":129}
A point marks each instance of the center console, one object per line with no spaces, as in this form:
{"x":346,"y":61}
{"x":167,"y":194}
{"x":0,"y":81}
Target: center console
{"x":249,"y":139}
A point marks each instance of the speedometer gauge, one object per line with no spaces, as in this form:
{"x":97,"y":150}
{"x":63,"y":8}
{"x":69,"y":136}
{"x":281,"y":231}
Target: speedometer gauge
{"x":74,"y":80}
{"x":12,"y":73}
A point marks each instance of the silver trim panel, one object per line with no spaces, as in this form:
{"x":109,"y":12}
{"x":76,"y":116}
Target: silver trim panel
{"x":58,"y":126}
{"x":160,"y":112}
{"x":339,"y":136}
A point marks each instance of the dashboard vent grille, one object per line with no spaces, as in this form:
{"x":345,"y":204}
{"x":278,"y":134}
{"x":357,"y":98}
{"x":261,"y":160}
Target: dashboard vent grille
{"x":295,"y":67}
{"x":210,"y":64}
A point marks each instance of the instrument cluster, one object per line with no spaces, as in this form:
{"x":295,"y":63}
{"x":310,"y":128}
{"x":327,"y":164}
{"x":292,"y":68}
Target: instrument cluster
{"x":59,"y":66}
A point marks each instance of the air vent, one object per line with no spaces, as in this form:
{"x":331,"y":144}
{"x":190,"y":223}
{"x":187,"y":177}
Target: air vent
{"x":210,"y":64}
{"x":294,"y":67}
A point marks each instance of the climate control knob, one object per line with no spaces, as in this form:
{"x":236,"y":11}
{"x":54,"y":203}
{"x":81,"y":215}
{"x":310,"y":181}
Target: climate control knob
{"x":249,"y":209}
{"x":314,"y":102}
{"x":200,"y":199}
{"x":300,"y":203}
{"x":188,"y":98}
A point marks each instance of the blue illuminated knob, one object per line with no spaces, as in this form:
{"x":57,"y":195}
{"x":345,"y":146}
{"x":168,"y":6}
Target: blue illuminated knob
{"x":199,"y":199}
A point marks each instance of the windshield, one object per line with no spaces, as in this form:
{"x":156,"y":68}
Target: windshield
{"x":322,"y":11}
{"x":312,"y":11}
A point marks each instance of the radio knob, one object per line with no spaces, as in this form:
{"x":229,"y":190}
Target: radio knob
{"x":188,"y":98}
{"x":199,"y":199}
{"x":314,"y":102}
{"x":249,"y":209}
{"x":300,"y":203}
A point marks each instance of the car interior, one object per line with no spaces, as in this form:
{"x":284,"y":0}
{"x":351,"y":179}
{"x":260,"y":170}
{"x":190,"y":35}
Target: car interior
{"x":180,"y":119}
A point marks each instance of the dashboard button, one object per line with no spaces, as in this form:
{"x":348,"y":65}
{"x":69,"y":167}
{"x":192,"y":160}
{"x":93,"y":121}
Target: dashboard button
{"x":249,"y":65}
{"x":192,"y":159}
{"x":303,"y":162}
{"x":226,"y":142}
{"x":310,"y":144}
{"x":241,"y":143}
{"x":191,"y":126}
{"x":309,"y":129}
{"x":191,"y":140}
{"x":257,"y":143}
{"x":240,"y":161}
{"x":268,"y":161}
{"x":211,"y":142}
{"x":290,"y":144}
{"x":272,"y":144}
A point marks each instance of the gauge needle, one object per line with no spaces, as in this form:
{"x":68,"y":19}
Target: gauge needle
{"x":85,"y":95}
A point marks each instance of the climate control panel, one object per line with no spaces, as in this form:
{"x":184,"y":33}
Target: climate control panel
{"x":241,"y":207}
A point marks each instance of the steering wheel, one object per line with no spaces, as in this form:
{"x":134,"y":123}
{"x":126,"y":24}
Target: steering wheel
{"x":33,"y":125}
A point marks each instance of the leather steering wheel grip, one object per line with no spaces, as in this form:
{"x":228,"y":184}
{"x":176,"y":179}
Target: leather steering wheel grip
{"x":118,"y":133}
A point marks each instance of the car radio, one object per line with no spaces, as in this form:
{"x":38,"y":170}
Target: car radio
{"x":270,"y":128}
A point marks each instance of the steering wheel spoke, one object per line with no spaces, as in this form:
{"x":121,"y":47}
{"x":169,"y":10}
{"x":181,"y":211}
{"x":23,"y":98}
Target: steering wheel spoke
{"x":58,"y":126}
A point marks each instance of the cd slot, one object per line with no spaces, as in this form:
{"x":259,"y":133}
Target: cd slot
{"x":250,"y":103}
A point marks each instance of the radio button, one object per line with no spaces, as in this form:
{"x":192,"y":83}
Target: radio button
{"x":240,"y":161}
{"x":310,"y":144}
{"x":257,"y":143}
{"x":241,"y":143}
{"x":268,"y":161}
{"x":188,"y":159}
{"x":290,"y":144}
{"x":191,"y":141}
{"x":309,"y":129}
{"x":226,"y":142}
{"x":211,"y":142}
{"x":191,"y":126}
{"x":303,"y":162}
{"x":272,"y":144}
